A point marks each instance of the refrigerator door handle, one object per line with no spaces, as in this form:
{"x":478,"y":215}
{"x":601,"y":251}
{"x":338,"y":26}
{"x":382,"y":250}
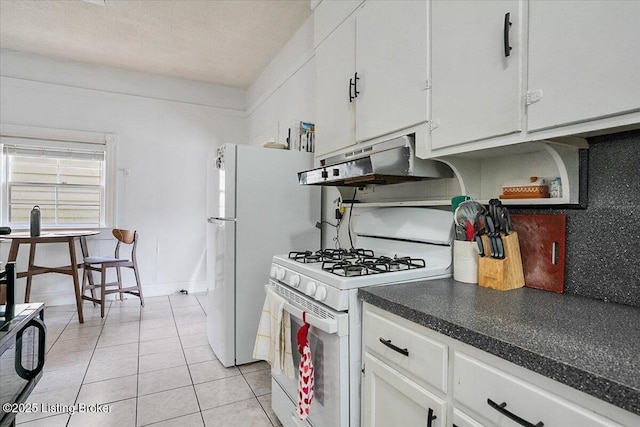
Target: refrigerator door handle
{"x":216,"y":219}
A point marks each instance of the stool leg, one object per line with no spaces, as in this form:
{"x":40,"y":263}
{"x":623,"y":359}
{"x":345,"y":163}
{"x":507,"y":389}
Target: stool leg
{"x":32,"y":257}
{"x":85,"y":276}
{"x":119,"y":275}
{"x":93,"y":289}
{"x":135,"y":272}
{"x":103,"y":277}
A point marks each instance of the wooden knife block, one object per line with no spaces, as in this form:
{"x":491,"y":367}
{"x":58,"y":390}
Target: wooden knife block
{"x":502,"y":274}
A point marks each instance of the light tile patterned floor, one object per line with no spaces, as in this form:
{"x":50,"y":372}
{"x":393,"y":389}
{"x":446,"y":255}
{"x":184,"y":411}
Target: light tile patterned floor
{"x":150,"y":365}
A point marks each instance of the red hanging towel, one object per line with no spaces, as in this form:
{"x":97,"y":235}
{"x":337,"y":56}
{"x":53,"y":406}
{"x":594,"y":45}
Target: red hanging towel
{"x":305,"y":372}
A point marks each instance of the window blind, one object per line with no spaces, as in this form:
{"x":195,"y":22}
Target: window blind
{"x":67,"y":180}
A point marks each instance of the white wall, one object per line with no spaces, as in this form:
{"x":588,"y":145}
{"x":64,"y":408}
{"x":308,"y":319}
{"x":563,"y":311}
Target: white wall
{"x":283,"y":94}
{"x":166,"y":129}
{"x":285,"y":91}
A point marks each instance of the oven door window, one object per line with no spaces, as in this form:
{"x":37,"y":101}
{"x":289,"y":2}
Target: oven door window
{"x":329,"y":354}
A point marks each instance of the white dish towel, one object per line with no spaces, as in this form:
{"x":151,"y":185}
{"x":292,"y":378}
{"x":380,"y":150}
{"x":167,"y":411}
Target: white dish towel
{"x":273,"y":341}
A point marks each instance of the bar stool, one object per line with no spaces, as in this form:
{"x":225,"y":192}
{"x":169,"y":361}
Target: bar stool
{"x":101,"y":264}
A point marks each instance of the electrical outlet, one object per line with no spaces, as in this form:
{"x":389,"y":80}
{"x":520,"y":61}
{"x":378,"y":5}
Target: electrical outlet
{"x":367,"y":189}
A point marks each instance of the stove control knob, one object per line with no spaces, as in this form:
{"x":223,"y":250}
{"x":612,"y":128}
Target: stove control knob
{"x":321,"y":293}
{"x":280,"y":273}
{"x":273,"y":271}
{"x":294,"y":280}
{"x":311,"y":288}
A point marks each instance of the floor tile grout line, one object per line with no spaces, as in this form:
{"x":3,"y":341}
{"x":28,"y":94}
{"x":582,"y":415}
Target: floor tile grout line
{"x":172,"y":418}
{"x":173,"y":316}
{"x":255,"y":396}
{"x":103,"y":323}
{"x":138,"y":368}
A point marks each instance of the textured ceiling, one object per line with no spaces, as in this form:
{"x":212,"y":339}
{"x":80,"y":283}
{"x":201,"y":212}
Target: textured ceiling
{"x":227,"y":42}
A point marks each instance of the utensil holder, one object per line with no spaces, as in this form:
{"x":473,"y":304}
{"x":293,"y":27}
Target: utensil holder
{"x":502,"y":274}
{"x":465,"y":261}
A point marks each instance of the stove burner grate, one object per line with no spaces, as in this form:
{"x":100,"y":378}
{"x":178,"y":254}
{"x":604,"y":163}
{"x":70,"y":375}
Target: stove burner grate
{"x":367,"y":265}
{"x":356,"y":261}
{"x":329,"y":255}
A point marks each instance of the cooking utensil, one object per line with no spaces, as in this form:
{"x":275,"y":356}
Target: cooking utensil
{"x":464,"y":214}
{"x":468,"y":210}
{"x":469,"y":230}
{"x":455,"y":202}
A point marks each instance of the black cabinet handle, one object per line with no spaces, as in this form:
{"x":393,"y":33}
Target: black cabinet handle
{"x":356,"y":92}
{"x":507,"y":26}
{"x":351,"y":85}
{"x":26,"y":373}
{"x":430,"y":417}
{"x":403,"y":351}
{"x":501,"y":408}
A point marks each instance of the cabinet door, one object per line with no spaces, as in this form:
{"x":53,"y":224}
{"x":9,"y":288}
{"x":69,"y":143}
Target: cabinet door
{"x":585,"y":58}
{"x":476,"y":89}
{"x":335,"y":65}
{"x":460,"y":419}
{"x":391,"y":61}
{"x":390,"y":399}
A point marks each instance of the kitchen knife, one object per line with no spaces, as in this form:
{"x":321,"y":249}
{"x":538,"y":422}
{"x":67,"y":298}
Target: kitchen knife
{"x":480,"y":244}
{"x":490,"y":233}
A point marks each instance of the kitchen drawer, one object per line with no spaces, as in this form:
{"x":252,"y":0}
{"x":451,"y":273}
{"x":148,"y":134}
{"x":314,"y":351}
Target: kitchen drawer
{"x":406,"y":349}
{"x":480,"y":388}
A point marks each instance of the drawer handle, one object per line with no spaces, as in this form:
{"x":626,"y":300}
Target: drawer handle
{"x":501,"y":408}
{"x":394,"y":347}
{"x":431,"y":417}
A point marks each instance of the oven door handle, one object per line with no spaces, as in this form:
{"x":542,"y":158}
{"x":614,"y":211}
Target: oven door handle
{"x":329,"y":326}
{"x":325,"y":325}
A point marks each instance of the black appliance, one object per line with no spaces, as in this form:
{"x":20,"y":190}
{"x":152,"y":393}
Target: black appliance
{"x":22,"y":348}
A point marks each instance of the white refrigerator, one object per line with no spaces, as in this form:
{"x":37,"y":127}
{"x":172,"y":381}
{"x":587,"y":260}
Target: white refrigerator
{"x":256,"y":209}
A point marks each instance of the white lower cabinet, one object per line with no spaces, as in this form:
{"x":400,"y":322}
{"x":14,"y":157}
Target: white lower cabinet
{"x":391,"y":399}
{"x":480,"y":390}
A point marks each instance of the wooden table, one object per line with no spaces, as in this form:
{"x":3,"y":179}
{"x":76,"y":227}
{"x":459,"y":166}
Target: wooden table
{"x":68,"y":237}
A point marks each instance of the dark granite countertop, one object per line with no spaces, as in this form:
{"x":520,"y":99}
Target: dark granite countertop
{"x":590,"y":345}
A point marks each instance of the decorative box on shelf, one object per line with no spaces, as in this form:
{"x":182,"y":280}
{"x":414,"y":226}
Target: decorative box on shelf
{"x":532,"y":188}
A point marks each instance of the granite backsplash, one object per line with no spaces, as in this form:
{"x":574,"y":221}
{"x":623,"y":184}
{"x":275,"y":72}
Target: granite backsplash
{"x":603,"y":240}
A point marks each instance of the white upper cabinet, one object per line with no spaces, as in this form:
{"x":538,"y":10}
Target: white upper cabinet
{"x":391,"y":62}
{"x":371,"y":73}
{"x":476,"y":69}
{"x":584,"y":61}
{"x":335,"y":64}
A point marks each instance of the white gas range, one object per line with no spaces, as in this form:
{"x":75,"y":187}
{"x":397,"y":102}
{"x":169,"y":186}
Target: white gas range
{"x":394,"y":245}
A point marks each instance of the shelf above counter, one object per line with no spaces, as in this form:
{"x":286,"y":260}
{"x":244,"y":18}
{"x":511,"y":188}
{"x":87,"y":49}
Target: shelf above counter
{"x":481,"y":175}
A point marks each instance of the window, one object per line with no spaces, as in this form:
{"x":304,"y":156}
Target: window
{"x":68,"y":180}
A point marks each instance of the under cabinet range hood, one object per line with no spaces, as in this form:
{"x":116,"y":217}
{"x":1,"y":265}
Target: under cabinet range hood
{"x":387,"y":162}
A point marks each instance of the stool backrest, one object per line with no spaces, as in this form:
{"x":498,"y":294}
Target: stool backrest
{"x":124,"y":236}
